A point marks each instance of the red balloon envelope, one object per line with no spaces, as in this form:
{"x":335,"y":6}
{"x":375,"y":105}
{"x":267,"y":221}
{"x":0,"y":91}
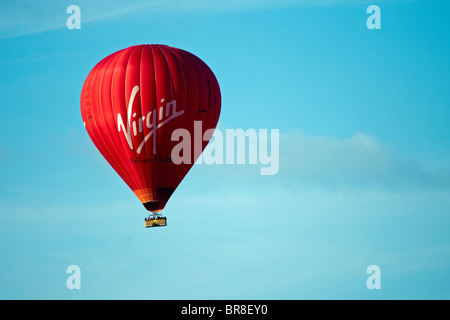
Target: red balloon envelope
{"x":131,"y":103}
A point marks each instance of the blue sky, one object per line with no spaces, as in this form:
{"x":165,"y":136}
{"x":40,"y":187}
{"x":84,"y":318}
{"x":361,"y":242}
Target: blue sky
{"x":364,"y":174}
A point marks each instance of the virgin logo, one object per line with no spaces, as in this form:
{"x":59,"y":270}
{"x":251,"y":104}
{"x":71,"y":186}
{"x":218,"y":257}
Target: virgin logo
{"x":154,"y":120}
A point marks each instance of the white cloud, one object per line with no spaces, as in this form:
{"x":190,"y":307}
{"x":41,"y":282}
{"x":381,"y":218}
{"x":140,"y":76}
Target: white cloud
{"x":358,"y":161}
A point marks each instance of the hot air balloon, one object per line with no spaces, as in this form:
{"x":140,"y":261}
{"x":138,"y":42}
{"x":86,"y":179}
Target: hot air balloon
{"x":131,"y":103}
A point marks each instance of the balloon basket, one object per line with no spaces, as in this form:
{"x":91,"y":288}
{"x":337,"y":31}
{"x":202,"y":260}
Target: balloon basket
{"x":155,"y":220}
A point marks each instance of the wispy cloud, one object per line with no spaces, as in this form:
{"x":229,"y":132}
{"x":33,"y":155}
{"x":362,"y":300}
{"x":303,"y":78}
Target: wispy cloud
{"x":24,"y":17}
